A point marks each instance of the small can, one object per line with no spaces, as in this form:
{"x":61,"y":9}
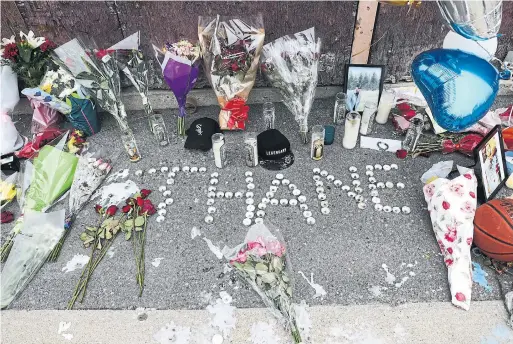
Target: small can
{"x":218,"y":147}
{"x":251,"y":150}
{"x":317,"y":145}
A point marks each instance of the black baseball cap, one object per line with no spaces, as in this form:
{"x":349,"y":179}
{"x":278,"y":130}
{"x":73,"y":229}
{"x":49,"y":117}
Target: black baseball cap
{"x":274,"y":150}
{"x":199,"y":134}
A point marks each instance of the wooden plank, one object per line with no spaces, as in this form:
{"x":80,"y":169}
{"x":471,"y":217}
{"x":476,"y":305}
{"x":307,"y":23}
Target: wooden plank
{"x":12,"y":21}
{"x":170,"y":21}
{"x":364,"y":28}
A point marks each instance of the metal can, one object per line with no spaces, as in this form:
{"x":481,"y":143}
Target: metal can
{"x":251,"y":150}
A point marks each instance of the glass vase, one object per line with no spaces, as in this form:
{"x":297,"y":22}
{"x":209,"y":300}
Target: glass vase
{"x":339,"y":112}
{"x":128,"y":139}
{"x":269,"y":114}
{"x":158,"y":128}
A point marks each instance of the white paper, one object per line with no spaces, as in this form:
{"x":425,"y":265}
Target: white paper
{"x":372,"y":143}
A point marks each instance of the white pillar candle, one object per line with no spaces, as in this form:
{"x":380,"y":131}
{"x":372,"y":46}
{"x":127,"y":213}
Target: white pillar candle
{"x":351,"y":130}
{"x":218,"y":149}
{"x":385,"y":105}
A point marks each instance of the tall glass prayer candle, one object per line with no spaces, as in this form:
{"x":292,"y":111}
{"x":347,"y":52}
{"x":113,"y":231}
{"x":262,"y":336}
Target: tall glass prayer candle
{"x":351,"y":130}
{"x":339,"y":112}
{"x":386,"y":103}
{"x":369,"y":113}
{"x":317,"y":145}
{"x":218,"y":148}
{"x":268,"y":115}
{"x":251,"y":152}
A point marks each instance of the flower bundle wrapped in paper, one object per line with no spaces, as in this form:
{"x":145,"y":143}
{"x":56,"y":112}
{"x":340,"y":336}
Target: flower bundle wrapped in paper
{"x":231,"y":48}
{"x":262,"y":261}
{"x":291,"y":64}
{"x":452,"y":207}
{"x":98,"y":74}
{"x":91,"y":171}
{"x":61,"y":92}
{"x":131,"y":62}
{"x":180,"y":68}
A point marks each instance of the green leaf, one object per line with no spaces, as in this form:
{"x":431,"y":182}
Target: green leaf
{"x":108,"y":235}
{"x":277,"y":264}
{"x":138,"y":229}
{"x":116,"y":229}
{"x":285,"y":278}
{"x":261,"y":268}
{"x":84,"y":236}
{"x":139,"y":221}
{"x":289,"y":291}
{"x":99,"y":246}
{"x":269,"y":278}
{"x":129,"y":224}
{"x":128,"y":235}
{"x":91,"y":229}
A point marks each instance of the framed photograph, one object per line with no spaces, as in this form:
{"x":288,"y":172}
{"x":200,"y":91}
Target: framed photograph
{"x":490,"y":164}
{"x":363,"y":83}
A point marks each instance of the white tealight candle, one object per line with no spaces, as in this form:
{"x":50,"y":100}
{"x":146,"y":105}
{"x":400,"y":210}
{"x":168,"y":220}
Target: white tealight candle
{"x":351,"y":130}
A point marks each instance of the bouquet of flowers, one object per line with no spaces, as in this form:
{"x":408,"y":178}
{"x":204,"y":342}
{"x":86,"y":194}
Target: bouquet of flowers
{"x":41,"y":231}
{"x":452,"y":207}
{"x":7,"y":190}
{"x":28,"y":57}
{"x":263,"y":263}
{"x":291,"y":63}
{"x":445,"y":143}
{"x":97,"y":72}
{"x":180,"y":69}
{"x":231,"y":50}
{"x":99,"y":238}
{"x":131,"y":62}
{"x":61,"y":92}
{"x":138,"y":209}
{"x":92,"y":169}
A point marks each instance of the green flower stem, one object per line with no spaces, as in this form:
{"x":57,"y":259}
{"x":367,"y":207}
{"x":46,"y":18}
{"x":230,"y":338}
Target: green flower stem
{"x":142,"y":269}
{"x":181,"y":126}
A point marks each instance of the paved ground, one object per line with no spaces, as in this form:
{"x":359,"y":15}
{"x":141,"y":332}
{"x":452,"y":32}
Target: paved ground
{"x":363,"y":324}
{"x":345,"y":250}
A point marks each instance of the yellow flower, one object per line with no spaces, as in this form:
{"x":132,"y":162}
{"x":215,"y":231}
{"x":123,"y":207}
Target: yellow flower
{"x":8,"y":191}
{"x":47,"y":88}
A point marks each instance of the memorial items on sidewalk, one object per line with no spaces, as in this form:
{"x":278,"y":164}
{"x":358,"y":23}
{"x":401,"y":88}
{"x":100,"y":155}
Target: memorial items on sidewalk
{"x":199,"y":134}
{"x":262,"y":261}
{"x":231,"y":48}
{"x":180,"y":68}
{"x":291,"y":65}
{"x":274,"y":151}
{"x":452,"y":206}
{"x":98,"y":73}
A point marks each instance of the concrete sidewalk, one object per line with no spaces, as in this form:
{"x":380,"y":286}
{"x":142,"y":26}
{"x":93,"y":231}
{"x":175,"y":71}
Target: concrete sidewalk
{"x":435,"y":322}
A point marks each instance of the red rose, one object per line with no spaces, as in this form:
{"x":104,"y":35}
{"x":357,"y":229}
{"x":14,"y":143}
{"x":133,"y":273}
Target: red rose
{"x":98,"y":208}
{"x":460,"y":297}
{"x":47,"y":45}
{"x":140,"y":201}
{"x":401,"y":153}
{"x":111,"y":211}
{"x":126,"y":208}
{"x":145,"y":193}
{"x":403,"y":107}
{"x":446,"y":205}
{"x":472,"y":194}
{"x":235,"y":67}
{"x":10,"y":52}
{"x":7,"y":217}
{"x":148,"y":207}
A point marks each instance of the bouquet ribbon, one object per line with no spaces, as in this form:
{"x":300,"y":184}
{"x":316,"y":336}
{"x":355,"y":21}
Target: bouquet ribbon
{"x":466,"y":145}
{"x":239,"y":113}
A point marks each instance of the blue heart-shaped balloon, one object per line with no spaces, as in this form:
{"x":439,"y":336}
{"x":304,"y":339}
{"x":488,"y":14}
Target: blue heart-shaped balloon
{"x":459,"y":87}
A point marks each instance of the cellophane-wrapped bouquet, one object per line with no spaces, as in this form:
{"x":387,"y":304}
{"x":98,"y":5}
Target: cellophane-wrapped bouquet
{"x":231,"y":48}
{"x":291,"y":64}
{"x":180,"y":68}
{"x":97,"y":71}
{"x":262,"y":261}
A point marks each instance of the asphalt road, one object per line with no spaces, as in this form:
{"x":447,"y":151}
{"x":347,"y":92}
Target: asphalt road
{"x":345,"y":250}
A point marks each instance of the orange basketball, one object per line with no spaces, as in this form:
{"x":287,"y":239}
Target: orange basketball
{"x":493,"y":229}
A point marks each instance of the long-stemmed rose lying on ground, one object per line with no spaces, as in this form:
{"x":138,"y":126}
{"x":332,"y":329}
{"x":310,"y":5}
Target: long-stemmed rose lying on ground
{"x":100,"y":239}
{"x":137,"y":210}
{"x":444,"y":143}
{"x":262,"y":261}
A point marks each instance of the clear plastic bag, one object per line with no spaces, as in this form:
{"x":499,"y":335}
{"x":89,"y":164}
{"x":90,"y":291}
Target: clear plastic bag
{"x":38,"y":236}
{"x":263,"y":262}
{"x":231,"y":48}
{"x":291,"y":64}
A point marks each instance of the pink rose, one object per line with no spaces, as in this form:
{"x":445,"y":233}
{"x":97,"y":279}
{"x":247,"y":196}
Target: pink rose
{"x":253,"y":244}
{"x":448,"y":262}
{"x":469,"y":241}
{"x":449,"y":250}
{"x":472,"y":194}
{"x":451,"y":233}
{"x":468,"y":175}
{"x":441,"y":245}
{"x":446,"y":205}
{"x":457,"y":189}
{"x":276,"y":248}
{"x":429,"y":190}
{"x":468,"y":208}
{"x":261,"y":251}
{"x":460,"y":297}
{"x":241,"y":257}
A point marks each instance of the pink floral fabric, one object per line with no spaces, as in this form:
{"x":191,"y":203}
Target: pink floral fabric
{"x":452,"y":206}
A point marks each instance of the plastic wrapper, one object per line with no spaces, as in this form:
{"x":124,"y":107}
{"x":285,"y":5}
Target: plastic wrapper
{"x":231,"y":48}
{"x":7,"y":190}
{"x":9,"y":96}
{"x":180,"y":68}
{"x":98,"y":73}
{"x":452,"y":207}
{"x":53,"y":173}
{"x":43,"y":116}
{"x":291,"y":64}
{"x":263,"y":262}
{"x":40,"y":233}
{"x":10,"y":140}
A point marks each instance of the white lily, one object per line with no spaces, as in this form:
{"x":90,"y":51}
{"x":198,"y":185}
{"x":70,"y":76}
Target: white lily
{"x":6,"y":41}
{"x":32,"y":40}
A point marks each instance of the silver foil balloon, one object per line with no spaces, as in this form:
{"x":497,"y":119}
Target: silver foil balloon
{"x":478,"y":20}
